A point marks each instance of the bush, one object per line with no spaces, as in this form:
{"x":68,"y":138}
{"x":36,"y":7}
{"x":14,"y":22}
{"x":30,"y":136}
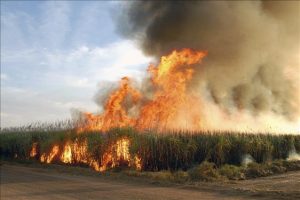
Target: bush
{"x":180,"y":176}
{"x":232,"y":172}
{"x":254,"y":170}
{"x":276,"y":167}
{"x":206,"y":171}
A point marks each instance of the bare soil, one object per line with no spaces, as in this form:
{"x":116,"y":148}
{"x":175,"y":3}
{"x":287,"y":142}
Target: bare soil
{"x":30,"y":182}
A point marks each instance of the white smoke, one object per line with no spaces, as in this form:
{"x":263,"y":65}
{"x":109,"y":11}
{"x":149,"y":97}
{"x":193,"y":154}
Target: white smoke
{"x":247,"y":159}
{"x":293,"y":155}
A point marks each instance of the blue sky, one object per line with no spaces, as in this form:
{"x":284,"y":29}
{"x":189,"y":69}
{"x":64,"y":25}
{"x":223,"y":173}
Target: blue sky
{"x":55,"y":56}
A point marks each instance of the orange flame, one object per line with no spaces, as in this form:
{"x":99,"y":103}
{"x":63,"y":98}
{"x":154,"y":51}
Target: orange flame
{"x":138,"y":162}
{"x":163,"y":111}
{"x":33,"y":151}
{"x":49,"y":158}
{"x":115,"y":114}
{"x":80,"y":152}
{"x":117,"y":154}
{"x":66,"y":156}
{"x":169,"y":79}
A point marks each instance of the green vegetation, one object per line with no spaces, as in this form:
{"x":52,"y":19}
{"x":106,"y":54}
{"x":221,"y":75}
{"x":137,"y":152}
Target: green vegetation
{"x":177,"y":155}
{"x":209,"y":172}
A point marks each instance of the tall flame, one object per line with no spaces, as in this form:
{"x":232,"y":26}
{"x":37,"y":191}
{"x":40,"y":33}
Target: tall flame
{"x":169,"y":79}
{"x":163,"y":111}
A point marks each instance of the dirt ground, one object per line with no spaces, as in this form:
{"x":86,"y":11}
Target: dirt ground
{"x":25,"y":182}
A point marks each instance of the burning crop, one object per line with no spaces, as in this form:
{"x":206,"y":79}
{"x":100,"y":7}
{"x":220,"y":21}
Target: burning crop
{"x":164,"y":111}
{"x":66,"y":156}
{"x":115,"y":154}
{"x":147,"y":151}
{"x":104,"y":141}
{"x":33,"y":151}
{"x":48,"y":158}
{"x":229,"y":66}
{"x":250,"y":78}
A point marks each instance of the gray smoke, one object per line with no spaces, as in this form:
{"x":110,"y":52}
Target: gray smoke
{"x":253,"y":61}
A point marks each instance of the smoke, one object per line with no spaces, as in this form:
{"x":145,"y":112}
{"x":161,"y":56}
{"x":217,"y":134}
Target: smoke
{"x":247,"y":159}
{"x":253,"y":63}
{"x":293,"y":155}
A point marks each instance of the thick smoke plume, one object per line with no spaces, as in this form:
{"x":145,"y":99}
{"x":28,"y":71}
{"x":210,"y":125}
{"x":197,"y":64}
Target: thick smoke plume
{"x":252,"y":69}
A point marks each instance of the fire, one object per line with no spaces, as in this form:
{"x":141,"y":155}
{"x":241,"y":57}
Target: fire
{"x":122,"y":149}
{"x":137,"y":162}
{"x":117,"y":154}
{"x":170,"y":101}
{"x":49,"y":158}
{"x":80,"y":152}
{"x":170,"y":97}
{"x":66,"y":156}
{"x":171,"y":77}
{"x":33,"y":151}
{"x":115,"y":114}
{"x":76,"y":152}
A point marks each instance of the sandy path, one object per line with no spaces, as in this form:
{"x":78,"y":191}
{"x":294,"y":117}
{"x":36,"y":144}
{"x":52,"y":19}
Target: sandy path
{"x":19,"y":182}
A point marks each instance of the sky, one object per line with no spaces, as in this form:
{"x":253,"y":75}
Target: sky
{"x":55,"y":56}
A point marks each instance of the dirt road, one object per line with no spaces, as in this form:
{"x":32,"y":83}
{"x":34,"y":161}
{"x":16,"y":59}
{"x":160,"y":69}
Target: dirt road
{"x":19,"y":182}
